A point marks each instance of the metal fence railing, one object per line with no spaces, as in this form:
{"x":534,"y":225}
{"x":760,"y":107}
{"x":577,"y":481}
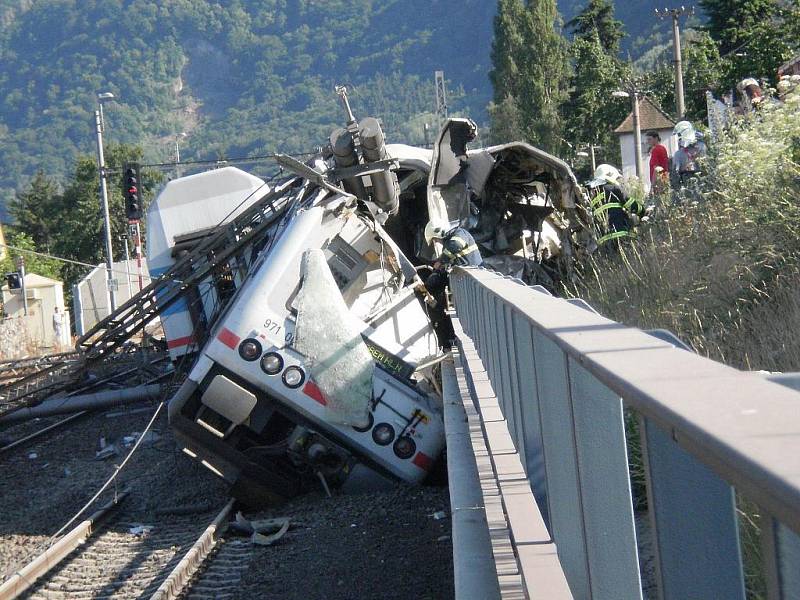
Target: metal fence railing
{"x":565,"y":378}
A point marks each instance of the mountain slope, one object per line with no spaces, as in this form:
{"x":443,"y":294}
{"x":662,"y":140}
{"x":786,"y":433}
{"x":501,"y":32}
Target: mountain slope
{"x":252,"y":77}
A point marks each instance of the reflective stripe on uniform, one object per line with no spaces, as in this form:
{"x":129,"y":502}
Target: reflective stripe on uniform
{"x":598,"y":199}
{"x":614,"y":235}
{"x":605,"y":207}
{"x":631,"y":202}
{"x":462,"y":252}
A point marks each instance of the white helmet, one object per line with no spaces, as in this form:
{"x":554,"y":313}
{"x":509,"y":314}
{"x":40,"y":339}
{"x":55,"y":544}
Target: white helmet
{"x":605,"y":174}
{"x":746,"y":83}
{"x":436,"y":229}
{"x":686,"y":134}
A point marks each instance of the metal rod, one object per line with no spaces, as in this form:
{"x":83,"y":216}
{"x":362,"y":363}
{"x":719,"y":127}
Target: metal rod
{"x":36,"y":434}
{"x":59,"y":406}
{"x":24,"y":288}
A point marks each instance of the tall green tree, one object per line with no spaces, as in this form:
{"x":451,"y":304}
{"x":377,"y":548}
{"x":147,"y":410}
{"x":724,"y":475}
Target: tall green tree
{"x":754,"y":37}
{"x":34,"y":263}
{"x":597,"y":18}
{"x":36,"y":210}
{"x":508,"y":46}
{"x":506,"y":121}
{"x":592,"y":112}
{"x":531,"y":65}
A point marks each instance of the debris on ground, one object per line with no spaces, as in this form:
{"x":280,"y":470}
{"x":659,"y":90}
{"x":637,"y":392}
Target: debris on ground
{"x":276,"y":528}
{"x":106,"y":452}
{"x":140,"y":529}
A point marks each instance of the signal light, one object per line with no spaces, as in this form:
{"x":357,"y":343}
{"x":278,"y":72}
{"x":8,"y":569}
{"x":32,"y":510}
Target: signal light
{"x":272,"y":363}
{"x":14,"y":281}
{"x":405,"y":447}
{"x":132,"y":192}
{"x":383,"y":434}
{"x":293,"y":377}
{"x":250,"y":349}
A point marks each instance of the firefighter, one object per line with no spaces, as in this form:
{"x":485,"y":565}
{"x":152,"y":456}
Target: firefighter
{"x":690,"y":148}
{"x":459,"y":249}
{"x":615,"y":214}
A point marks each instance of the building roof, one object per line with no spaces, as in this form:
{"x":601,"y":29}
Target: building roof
{"x":650,"y":117}
{"x":790,"y":67}
{"x":32,"y":280}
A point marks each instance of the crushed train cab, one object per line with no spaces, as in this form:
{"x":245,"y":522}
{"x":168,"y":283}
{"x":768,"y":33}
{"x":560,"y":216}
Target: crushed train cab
{"x":320,"y":370}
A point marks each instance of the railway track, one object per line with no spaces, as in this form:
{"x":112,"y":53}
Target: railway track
{"x":128,"y":369}
{"x":114,"y":556}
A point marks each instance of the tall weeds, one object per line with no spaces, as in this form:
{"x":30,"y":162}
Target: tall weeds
{"x":719,"y":267}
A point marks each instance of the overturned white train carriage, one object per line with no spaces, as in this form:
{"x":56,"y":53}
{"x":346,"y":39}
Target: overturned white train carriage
{"x":320,"y":368}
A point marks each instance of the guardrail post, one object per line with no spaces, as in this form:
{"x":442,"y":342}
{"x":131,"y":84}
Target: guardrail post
{"x":780,"y":548}
{"x":529,"y":433}
{"x":693,"y":516}
{"x":561,"y":462}
{"x":605,"y":488}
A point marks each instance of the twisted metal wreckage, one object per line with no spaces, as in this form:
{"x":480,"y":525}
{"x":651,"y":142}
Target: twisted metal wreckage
{"x":301,"y":307}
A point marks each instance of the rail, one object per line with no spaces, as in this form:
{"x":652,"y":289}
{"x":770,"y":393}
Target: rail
{"x":552,"y":385}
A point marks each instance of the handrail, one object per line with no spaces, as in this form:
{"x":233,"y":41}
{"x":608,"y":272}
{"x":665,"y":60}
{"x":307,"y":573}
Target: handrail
{"x":562,"y":375}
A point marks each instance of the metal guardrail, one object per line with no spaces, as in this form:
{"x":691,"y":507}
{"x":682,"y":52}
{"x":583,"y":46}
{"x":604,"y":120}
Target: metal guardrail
{"x":563,"y":375}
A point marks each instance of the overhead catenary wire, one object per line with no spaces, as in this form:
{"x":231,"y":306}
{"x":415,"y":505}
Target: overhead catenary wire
{"x":62,"y":259}
{"x":214,"y":162}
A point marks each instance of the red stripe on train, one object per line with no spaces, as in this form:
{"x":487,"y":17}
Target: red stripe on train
{"x":312,"y":391}
{"x":227,"y":337}
{"x":178,"y":342}
{"x":423,"y":461}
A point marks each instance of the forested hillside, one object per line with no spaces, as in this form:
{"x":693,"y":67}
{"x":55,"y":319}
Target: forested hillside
{"x":253,"y":76}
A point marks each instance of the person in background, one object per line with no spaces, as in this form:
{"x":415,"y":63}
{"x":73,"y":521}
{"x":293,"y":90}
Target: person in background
{"x":751,"y":92}
{"x":690,"y":149}
{"x":58,"y":328}
{"x":614,"y":213}
{"x":659,"y":162}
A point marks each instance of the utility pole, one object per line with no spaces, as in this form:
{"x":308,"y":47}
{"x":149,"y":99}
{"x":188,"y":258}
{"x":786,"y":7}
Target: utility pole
{"x":675,"y":14}
{"x":178,"y":137}
{"x":635,"y":94}
{"x":637,"y":134}
{"x":101,"y":164}
{"x":441,"y":98}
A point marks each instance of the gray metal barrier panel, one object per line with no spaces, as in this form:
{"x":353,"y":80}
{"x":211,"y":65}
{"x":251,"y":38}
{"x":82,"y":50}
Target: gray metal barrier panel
{"x":562,"y":375}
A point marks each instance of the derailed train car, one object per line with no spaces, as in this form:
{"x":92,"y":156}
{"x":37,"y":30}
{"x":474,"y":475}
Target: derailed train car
{"x":321,"y":369}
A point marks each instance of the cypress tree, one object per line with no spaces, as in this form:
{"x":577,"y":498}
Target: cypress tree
{"x":597,"y":18}
{"x":507,"y":45}
{"x":531,"y":68}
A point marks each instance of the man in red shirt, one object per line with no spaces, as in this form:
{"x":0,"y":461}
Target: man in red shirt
{"x":658,"y":158}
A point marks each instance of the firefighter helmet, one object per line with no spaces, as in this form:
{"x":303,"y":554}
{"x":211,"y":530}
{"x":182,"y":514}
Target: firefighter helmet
{"x":746,"y":83}
{"x":605,"y":174}
{"x":686,"y":134}
{"x":436,"y":229}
